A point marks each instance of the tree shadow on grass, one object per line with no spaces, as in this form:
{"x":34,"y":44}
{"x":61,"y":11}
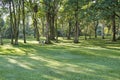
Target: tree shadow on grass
{"x":33,"y":68}
{"x":60,"y":63}
{"x":24,"y":68}
{"x":102,"y":57}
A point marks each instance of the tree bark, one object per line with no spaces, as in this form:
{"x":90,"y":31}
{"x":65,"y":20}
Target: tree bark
{"x":96,"y":25}
{"x":1,"y":41}
{"x":103,"y":34}
{"x":52,"y":27}
{"x":23,"y":13}
{"x":37,"y":34}
{"x":11,"y":22}
{"x":114,"y":27}
{"x":56,"y":29}
{"x":15,"y":24}
{"x":48,"y":23}
{"x":69,"y":30}
{"x":113,"y":20}
{"x":47,"y":41}
{"x":86,"y":33}
{"x":43,"y":26}
{"x":76,"y":37}
{"x":36,"y":29}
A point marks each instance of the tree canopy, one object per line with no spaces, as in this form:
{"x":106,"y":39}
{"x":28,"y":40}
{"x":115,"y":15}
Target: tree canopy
{"x":64,"y":18}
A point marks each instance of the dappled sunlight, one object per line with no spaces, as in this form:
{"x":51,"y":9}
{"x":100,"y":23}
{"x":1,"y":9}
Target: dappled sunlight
{"x":59,"y":40}
{"x":78,"y":69}
{"x":114,"y":47}
{"x":60,"y":61}
{"x":96,"y":66}
{"x":50,"y":77}
{"x":58,"y":70}
{"x":97,"y":51}
{"x":48,"y":61}
{"x":95,"y":48}
{"x":107,"y":77}
{"x":9,"y":49}
{"x":21,"y":64}
{"x":33,"y":42}
{"x":30,"y":42}
{"x":12,"y":60}
{"x":107,"y":52}
{"x":68,"y":44}
{"x":62,"y":66}
{"x":59,"y":65}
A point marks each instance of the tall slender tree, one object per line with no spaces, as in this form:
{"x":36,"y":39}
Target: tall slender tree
{"x":11,"y":22}
{"x":23,"y":19}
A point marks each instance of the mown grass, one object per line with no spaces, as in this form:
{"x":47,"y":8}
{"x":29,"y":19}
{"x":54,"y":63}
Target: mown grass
{"x":94,"y":59}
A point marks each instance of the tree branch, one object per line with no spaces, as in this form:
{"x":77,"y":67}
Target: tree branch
{"x":117,"y":15}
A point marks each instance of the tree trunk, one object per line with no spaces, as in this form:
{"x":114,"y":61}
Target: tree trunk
{"x":62,"y":32}
{"x":96,"y":25}
{"x":11,"y":22}
{"x":48,"y":24}
{"x":1,"y":42}
{"x":86,"y":33}
{"x":37,"y":29}
{"x":43,"y":26}
{"x":114,"y":27}
{"x":56,"y":29}
{"x":85,"y":36}
{"x":69,"y":30}
{"x":90,"y":35}
{"x":76,"y":37}
{"x":23,"y":13}
{"x":52,"y":28}
{"x":47,"y":41}
{"x":103,"y":34}
{"x":15,"y":24}
{"x":18,"y":22}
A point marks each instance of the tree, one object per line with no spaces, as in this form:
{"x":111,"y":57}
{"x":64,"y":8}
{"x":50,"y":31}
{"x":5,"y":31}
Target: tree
{"x":23,"y":17}
{"x":108,"y":10}
{"x":1,"y":30}
{"x":75,"y":10}
{"x":11,"y":22}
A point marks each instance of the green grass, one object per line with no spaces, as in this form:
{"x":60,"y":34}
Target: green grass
{"x":89,"y":60}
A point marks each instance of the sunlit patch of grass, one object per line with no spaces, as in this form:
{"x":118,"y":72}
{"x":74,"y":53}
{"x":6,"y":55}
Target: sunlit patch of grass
{"x":9,"y":49}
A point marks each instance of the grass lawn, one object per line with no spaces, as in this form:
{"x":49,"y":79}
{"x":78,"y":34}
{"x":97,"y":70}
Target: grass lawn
{"x":88,"y":60}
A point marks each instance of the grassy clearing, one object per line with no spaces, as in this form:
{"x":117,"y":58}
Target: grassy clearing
{"x":88,"y":60}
